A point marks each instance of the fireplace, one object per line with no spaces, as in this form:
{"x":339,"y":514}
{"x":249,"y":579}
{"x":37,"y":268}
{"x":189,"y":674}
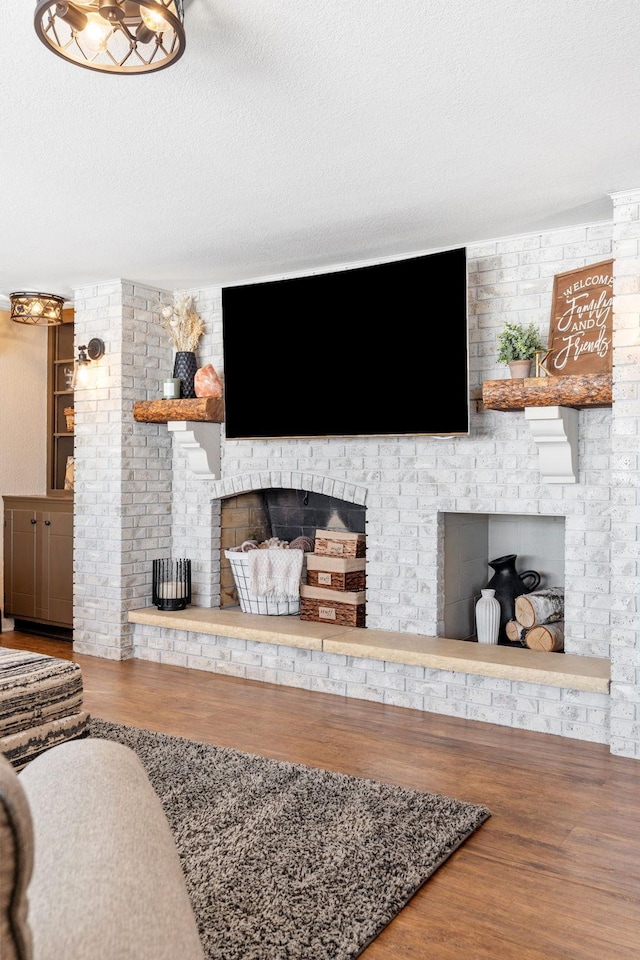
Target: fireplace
{"x":411,"y":487}
{"x":283,"y":513}
{"x":471,"y":540}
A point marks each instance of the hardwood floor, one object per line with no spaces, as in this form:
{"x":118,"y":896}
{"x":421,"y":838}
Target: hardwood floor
{"x":553,"y":875}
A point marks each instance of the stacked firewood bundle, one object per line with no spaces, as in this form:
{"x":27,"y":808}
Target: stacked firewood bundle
{"x":539,"y":620}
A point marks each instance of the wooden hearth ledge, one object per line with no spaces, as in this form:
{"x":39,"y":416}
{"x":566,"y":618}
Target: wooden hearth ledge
{"x":593,"y":390}
{"x":566,"y":670}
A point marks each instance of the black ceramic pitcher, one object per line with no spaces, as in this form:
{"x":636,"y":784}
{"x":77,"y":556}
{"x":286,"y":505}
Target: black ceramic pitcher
{"x":509,"y":584}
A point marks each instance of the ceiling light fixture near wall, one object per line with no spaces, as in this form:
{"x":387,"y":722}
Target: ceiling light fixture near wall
{"x":38,"y":309}
{"x":113,"y":36}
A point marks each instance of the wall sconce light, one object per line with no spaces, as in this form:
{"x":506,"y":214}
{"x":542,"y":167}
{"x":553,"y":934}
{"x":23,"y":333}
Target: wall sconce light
{"x":37,"y":309}
{"x":86,"y":353}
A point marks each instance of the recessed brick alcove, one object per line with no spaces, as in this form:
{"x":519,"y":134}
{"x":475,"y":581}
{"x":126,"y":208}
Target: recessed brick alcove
{"x":471,"y":540}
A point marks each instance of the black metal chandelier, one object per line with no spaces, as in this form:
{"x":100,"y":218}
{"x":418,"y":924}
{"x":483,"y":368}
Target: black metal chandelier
{"x":113,"y":36}
{"x":37,"y":309}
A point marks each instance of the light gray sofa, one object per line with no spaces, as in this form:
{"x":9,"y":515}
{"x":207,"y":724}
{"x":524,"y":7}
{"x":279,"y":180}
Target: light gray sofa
{"x":88,"y":866}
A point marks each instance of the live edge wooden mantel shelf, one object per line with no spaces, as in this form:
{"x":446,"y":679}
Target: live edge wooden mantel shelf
{"x":551,"y":407}
{"x":195,"y":424}
{"x":578,"y":392}
{"x":201,"y":409}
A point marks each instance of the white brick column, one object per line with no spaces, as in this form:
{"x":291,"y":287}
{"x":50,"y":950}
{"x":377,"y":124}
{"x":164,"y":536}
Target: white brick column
{"x":625,"y":488}
{"x":122,"y":502}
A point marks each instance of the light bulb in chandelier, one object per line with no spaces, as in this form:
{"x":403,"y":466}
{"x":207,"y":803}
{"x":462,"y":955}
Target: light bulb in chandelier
{"x":95,"y":36}
{"x":153,"y":19}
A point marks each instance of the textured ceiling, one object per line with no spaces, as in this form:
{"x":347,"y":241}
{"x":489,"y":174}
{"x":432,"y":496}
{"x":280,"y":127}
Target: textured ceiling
{"x":294,"y":136}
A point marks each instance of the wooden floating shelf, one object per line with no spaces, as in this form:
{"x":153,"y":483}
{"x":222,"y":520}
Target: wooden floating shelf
{"x":202,"y":409}
{"x":578,"y":392}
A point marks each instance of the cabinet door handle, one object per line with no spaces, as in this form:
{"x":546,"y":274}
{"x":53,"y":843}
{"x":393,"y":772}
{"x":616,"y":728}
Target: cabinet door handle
{"x":47,"y":523}
{"x":32,"y":520}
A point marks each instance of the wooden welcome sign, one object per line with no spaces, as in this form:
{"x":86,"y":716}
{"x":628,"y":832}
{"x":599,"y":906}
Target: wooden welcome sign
{"x":581,"y":326}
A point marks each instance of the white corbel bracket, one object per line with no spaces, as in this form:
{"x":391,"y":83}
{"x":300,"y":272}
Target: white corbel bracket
{"x":555,"y":430}
{"x":201,"y":443}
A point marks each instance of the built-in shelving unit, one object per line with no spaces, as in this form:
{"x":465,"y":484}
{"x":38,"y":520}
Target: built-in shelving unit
{"x":60,"y":444}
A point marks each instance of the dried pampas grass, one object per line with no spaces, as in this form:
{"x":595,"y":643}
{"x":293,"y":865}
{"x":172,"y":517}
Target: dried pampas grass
{"x":182,"y":322}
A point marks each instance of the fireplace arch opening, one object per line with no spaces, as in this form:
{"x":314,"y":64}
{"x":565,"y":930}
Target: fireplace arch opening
{"x":280,"y":512}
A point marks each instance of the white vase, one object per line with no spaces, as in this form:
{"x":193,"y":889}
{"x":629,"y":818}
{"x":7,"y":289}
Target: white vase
{"x":487,"y":617}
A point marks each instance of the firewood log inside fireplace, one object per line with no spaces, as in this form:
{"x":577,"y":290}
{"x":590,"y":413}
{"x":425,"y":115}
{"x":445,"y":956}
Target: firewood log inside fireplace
{"x":540,"y":606}
{"x":515,"y":632}
{"x":546,"y":636}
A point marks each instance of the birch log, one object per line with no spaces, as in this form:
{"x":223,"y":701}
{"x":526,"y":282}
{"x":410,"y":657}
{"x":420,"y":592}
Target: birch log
{"x":546,"y":636}
{"x":515,"y":631}
{"x":540,"y":606}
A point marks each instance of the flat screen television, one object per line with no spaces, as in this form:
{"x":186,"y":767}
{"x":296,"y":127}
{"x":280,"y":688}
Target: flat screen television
{"x":376,"y":350}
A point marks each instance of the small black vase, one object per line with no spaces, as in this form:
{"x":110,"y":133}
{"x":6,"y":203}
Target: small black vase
{"x":184,"y":368}
{"x":509,"y":584}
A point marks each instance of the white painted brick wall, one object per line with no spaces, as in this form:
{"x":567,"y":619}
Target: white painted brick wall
{"x":123,"y":496}
{"x":407,"y":484}
{"x":527,"y":706}
{"x":625,"y":489}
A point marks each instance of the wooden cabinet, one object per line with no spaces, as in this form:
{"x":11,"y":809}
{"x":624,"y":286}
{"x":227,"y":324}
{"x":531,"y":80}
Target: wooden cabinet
{"x":38,"y":560}
{"x":60,"y":399}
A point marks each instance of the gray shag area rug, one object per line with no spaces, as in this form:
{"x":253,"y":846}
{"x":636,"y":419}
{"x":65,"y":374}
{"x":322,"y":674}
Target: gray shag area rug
{"x":288,"y":862}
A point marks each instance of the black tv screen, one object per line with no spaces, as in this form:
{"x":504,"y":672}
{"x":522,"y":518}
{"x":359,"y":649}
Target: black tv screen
{"x":377,"y":350}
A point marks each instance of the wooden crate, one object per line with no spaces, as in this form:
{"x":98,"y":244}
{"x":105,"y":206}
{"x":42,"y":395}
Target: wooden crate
{"x":330,"y":606}
{"x":336,"y":573}
{"x":339,"y":543}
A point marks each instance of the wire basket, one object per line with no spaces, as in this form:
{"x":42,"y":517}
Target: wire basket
{"x":249,"y":603}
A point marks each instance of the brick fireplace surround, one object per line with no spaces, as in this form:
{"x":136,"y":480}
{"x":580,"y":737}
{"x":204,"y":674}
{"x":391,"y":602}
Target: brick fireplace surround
{"x":137,"y":499}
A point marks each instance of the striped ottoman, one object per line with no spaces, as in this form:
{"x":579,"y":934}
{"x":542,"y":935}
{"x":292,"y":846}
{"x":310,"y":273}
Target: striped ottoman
{"x":40,"y":704}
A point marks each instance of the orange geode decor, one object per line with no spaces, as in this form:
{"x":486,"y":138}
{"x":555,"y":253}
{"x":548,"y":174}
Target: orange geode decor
{"x":207,"y":382}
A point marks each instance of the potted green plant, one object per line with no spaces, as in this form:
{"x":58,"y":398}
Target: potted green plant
{"x":517,"y":346}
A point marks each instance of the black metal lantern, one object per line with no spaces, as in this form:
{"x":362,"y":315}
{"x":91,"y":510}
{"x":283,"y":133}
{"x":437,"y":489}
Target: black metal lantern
{"x":171,"y":584}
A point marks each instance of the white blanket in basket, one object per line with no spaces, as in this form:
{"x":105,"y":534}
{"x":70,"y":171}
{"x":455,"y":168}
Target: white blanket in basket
{"x":275,"y":573}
